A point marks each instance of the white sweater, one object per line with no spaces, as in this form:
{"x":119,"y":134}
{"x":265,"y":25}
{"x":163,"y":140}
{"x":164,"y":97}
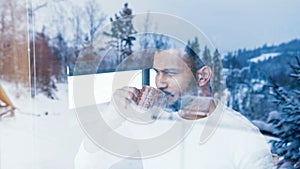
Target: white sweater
{"x":224,"y":140}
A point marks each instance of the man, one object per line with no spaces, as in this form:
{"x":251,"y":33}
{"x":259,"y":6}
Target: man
{"x":219,"y":138}
{"x":182,"y":76}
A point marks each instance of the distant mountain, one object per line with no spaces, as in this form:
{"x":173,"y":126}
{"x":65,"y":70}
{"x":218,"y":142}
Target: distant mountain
{"x":266,"y":62}
{"x":243,"y":56}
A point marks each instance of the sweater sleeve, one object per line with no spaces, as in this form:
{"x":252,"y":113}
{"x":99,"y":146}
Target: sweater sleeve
{"x":111,"y":115}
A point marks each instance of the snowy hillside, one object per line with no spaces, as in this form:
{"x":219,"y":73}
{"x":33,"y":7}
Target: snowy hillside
{"x":263,"y":57}
{"x":44,"y":134}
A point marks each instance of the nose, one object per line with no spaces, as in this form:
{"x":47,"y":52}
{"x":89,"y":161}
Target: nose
{"x":161,"y":80}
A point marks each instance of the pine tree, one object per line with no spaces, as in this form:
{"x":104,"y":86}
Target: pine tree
{"x":122,"y":31}
{"x":233,"y":80}
{"x":193,"y":46}
{"x":207,"y":58}
{"x":288,"y":127}
{"x":196,"y":46}
{"x":161,"y":41}
{"x":61,"y":51}
{"x":217,"y":70}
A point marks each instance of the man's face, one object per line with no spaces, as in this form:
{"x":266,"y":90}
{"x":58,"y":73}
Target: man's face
{"x":173,"y":76}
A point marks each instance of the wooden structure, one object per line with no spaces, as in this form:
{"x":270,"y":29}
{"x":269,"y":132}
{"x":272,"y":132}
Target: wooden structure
{"x":6,"y":106}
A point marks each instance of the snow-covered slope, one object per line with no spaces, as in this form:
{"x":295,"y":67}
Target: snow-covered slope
{"x":264,"y":57}
{"x":34,"y":140}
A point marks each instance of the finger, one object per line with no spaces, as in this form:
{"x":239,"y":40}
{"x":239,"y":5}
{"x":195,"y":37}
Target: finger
{"x":120,"y":99}
{"x":131,"y":93}
{"x":133,"y":90}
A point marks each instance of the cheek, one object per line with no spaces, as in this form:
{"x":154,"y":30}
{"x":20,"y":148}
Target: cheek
{"x":182,"y":83}
{"x":175,"y":85}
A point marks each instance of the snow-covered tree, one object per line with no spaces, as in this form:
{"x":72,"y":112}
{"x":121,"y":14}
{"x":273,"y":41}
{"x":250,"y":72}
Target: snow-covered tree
{"x":217,"y":73}
{"x":122,"y":32}
{"x":161,"y":41}
{"x":288,"y":127}
{"x":62,"y":52}
{"x":207,"y":58}
{"x":233,"y":80}
{"x":194,"y":45}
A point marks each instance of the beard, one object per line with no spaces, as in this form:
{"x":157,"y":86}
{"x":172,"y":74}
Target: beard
{"x":184,"y":99}
{"x":175,"y":106}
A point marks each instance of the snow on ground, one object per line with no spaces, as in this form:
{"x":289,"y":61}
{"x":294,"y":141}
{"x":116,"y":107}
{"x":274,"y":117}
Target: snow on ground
{"x":264,"y":57}
{"x":34,"y":140}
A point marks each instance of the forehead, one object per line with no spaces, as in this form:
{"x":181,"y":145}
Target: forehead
{"x":169,"y":59}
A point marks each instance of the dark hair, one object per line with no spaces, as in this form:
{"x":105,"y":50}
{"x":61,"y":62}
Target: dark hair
{"x":194,"y":60}
{"x":191,"y":58}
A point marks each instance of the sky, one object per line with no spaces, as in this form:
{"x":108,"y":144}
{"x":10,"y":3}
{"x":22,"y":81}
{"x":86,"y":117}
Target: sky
{"x":231,"y":24}
{"x":228,"y":24}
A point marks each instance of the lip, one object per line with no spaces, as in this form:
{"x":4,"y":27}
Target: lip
{"x":168,"y":94}
{"x":170,"y":97}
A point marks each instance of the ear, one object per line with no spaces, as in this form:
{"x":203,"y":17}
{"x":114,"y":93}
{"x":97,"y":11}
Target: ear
{"x":203,"y":75}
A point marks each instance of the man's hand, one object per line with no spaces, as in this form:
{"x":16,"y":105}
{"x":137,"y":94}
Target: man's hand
{"x":125,"y":96}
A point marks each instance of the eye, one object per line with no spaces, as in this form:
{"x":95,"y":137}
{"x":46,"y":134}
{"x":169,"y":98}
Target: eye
{"x":171,"y":73}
